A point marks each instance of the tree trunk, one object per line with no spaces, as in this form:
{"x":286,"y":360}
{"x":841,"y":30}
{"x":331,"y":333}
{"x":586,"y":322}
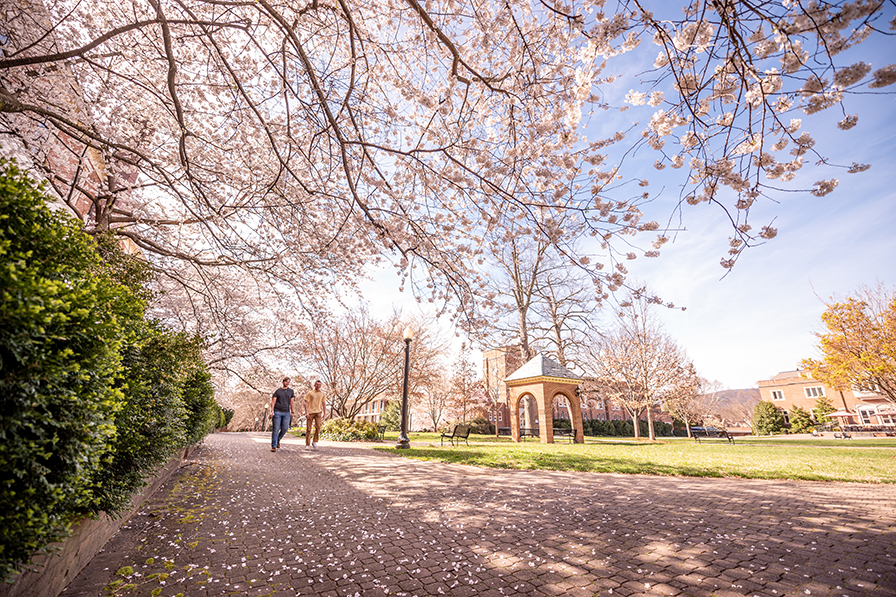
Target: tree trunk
{"x":636,"y":419}
{"x":650,"y":430}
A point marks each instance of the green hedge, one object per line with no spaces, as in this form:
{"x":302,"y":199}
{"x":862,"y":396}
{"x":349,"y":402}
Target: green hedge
{"x":94,"y":396}
{"x":624,"y":428}
{"x":347,"y":430}
{"x":168,"y":405}
{"x":59,"y":354}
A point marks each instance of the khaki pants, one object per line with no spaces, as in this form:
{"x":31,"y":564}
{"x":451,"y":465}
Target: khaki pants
{"x":313,"y":418}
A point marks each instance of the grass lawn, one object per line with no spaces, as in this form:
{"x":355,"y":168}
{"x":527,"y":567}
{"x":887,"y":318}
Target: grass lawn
{"x":860,"y":461}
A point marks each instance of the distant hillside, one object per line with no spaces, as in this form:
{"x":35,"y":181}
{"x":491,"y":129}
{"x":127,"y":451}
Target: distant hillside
{"x":738,"y":396}
{"x":735,"y":407}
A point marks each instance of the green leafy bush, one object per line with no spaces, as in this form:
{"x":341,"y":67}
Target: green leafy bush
{"x":391,"y":416}
{"x":768,"y":419}
{"x":800,"y":421}
{"x":62,"y":319}
{"x":348,"y":430}
{"x":94,"y":396}
{"x":823,"y":407}
{"x":225,"y":415}
{"x":168,"y":404}
{"x":481,"y":426}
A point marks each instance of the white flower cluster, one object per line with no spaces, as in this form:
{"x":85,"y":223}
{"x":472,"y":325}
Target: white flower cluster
{"x":823,"y":187}
{"x":884,"y":76}
{"x":851,"y":74}
{"x":848,"y":122}
{"x":635,"y":98}
{"x":821,"y":101}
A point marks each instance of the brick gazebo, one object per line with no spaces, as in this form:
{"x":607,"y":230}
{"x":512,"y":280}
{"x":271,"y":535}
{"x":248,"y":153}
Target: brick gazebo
{"x":543,"y":380}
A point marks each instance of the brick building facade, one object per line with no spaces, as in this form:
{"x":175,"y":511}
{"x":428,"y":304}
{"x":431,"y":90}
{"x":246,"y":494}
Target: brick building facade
{"x":790,"y":389}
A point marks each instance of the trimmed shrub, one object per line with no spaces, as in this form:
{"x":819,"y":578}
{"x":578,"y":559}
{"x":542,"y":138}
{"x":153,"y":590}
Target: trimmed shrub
{"x":61,"y":323}
{"x":168,"y":404}
{"x":482,"y":426}
{"x":225,"y":416}
{"x":800,"y":420}
{"x":391,"y":416}
{"x":348,"y":430}
{"x":768,"y":419}
{"x":93,"y":395}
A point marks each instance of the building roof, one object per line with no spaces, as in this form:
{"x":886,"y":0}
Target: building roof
{"x":789,"y":374}
{"x":541,"y":366}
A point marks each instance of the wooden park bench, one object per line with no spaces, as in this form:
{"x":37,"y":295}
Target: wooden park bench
{"x":710,"y":433}
{"x":461,"y":432}
{"x":564,"y":432}
{"x":528,"y":432}
{"x":843,"y":435}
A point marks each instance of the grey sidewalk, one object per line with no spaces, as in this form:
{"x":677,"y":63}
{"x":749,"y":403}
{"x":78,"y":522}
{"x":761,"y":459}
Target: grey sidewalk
{"x":344,"y":520}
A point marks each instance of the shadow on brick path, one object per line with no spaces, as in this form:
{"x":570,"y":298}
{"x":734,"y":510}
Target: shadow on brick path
{"x":348,"y":521}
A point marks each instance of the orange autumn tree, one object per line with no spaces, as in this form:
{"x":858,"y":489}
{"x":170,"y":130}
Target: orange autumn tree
{"x":859,"y":348}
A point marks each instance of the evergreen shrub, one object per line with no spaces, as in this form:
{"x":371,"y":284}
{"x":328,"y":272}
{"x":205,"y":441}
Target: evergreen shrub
{"x":60,"y":331}
{"x":93,"y":396}
{"x":348,"y":430}
{"x":481,"y":426}
{"x":768,"y":420}
{"x":391,"y":416}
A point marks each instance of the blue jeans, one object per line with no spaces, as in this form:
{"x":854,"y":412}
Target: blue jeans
{"x":280,"y":426}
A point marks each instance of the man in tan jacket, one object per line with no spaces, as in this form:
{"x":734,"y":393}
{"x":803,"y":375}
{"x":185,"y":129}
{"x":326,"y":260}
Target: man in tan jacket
{"x":315,"y":411}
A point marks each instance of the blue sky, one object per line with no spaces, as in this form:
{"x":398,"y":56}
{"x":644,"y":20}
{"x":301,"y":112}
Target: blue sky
{"x":760,"y":318}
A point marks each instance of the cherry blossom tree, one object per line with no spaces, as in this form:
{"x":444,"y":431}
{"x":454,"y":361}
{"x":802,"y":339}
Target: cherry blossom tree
{"x":432,"y":402}
{"x":637,"y":363}
{"x":689,"y":397}
{"x":296,"y":143}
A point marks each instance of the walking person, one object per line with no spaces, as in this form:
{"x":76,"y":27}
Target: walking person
{"x":315,"y":411}
{"x":281,"y":413}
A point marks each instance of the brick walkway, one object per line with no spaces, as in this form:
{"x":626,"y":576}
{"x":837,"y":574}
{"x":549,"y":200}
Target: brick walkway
{"x":345,"y":520}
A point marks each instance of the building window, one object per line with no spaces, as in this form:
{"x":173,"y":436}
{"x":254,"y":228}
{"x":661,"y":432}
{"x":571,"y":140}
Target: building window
{"x":866,"y":416}
{"x":814,"y":392}
{"x":500,"y":416}
{"x":777,"y":395}
{"x":562,"y":402}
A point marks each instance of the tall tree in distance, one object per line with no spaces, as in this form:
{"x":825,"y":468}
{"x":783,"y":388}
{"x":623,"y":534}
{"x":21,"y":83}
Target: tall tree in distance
{"x":565,"y":313}
{"x":682,"y":399}
{"x":859,"y":347}
{"x":520,"y":262}
{"x":360,"y":358}
{"x":638,"y":362}
{"x":468,"y":396}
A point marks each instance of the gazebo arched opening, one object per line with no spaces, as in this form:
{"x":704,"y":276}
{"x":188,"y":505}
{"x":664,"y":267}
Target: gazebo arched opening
{"x":543,"y":380}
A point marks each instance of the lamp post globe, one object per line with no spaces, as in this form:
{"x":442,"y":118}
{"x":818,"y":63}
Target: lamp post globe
{"x":403,"y":441}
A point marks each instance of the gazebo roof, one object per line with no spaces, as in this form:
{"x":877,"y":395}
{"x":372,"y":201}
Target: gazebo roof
{"x":541,"y":366}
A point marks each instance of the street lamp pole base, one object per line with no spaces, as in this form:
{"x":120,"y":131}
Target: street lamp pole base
{"x":403,"y":444}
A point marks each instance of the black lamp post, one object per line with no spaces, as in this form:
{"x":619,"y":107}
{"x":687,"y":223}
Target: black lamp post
{"x":403,"y":441}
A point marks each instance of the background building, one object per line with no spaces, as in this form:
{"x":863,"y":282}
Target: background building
{"x":789,"y":389}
